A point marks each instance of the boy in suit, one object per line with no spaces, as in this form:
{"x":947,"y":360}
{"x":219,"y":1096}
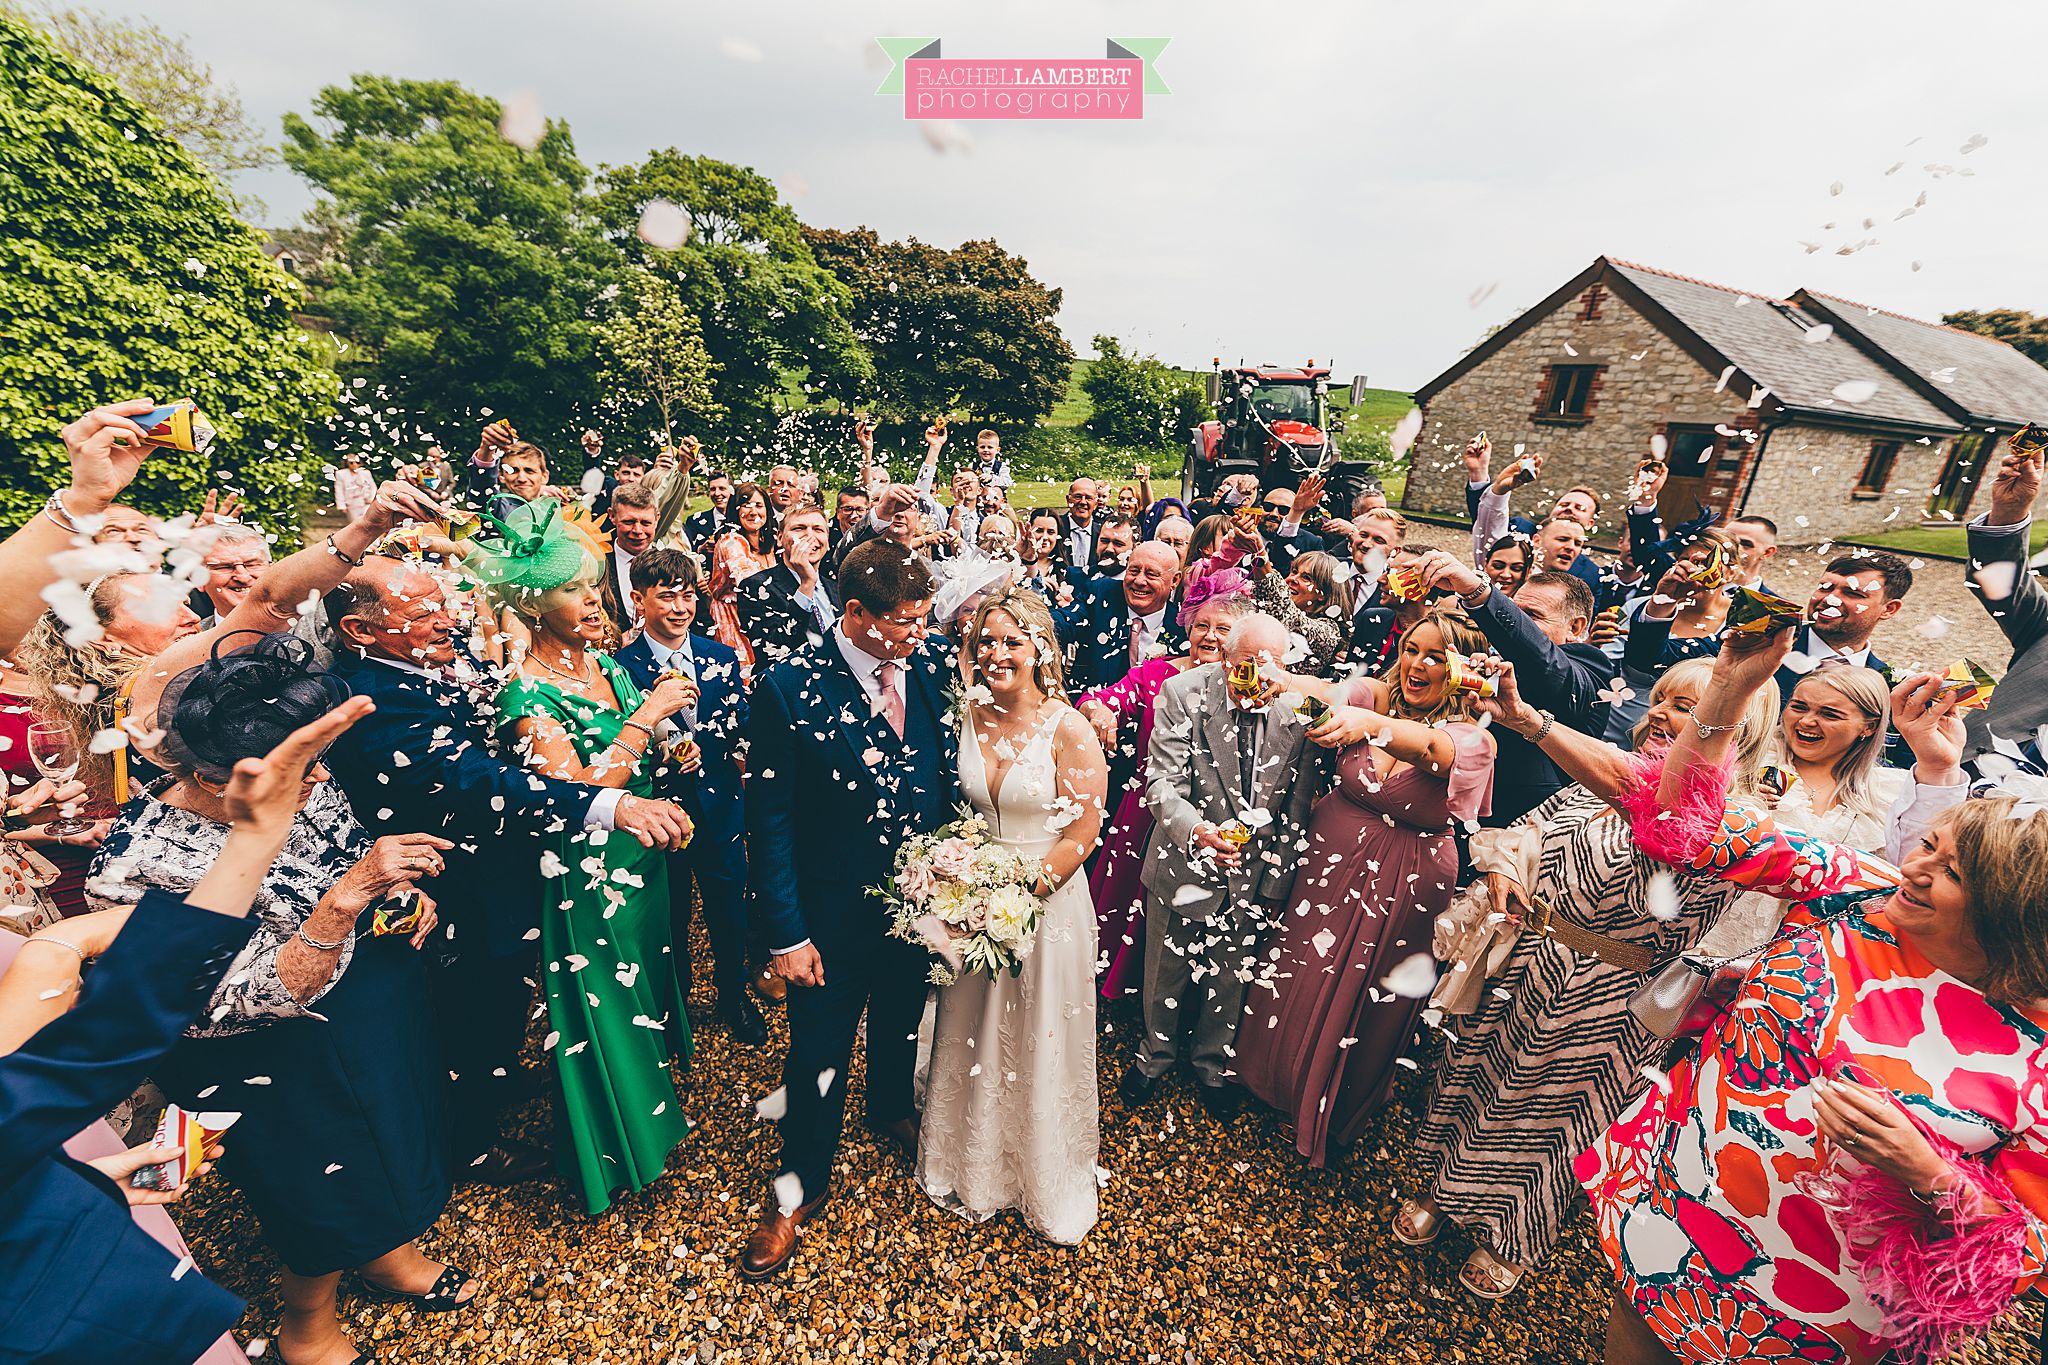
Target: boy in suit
{"x":705,"y":782}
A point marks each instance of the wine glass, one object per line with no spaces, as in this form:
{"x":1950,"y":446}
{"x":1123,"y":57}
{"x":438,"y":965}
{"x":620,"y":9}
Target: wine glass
{"x":55,"y":755}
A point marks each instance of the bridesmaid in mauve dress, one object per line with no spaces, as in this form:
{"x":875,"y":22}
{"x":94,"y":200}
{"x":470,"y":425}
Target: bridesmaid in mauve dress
{"x":1113,"y":885}
{"x":1322,"y":1028}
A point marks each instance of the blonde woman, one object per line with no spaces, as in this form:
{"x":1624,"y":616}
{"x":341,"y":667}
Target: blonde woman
{"x":79,"y":686}
{"x":1552,"y":1054}
{"x":1321,"y":1034}
{"x":1010,"y":1114}
{"x":1823,"y":776}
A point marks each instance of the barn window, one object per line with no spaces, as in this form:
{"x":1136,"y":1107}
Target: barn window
{"x":1568,"y":393}
{"x":1877,"y":470}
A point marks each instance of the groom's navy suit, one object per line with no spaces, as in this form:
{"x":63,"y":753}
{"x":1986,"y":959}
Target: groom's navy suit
{"x":832,"y":794}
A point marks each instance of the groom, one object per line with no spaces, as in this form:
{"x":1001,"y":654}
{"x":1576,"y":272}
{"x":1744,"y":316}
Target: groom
{"x":850,"y":753}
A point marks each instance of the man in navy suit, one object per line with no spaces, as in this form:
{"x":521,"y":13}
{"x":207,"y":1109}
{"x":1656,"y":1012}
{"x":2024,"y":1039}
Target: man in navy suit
{"x":789,"y":606}
{"x":706,"y":781}
{"x":1079,"y":526}
{"x":850,"y":752}
{"x":1113,"y":624}
{"x":420,"y":762}
{"x":1542,"y":630}
{"x":1857,"y":592}
{"x":703,"y":527}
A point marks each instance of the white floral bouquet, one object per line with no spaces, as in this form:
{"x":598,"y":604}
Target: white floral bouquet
{"x":966,"y":898}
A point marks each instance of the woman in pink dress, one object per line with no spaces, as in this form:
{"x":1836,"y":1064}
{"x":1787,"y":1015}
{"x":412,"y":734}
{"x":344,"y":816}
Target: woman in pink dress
{"x":745,"y":548}
{"x":1208,"y":607}
{"x":1343,"y":982}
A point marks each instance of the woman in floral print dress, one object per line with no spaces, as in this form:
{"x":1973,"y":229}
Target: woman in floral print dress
{"x":1856,"y":1162}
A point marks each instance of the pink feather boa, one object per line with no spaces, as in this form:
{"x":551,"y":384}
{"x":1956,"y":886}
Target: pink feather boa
{"x":1943,"y":1274}
{"x":1678,"y":834}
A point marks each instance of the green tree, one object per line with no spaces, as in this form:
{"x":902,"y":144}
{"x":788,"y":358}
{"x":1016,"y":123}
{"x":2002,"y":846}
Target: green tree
{"x":1138,"y":400}
{"x":967,"y":330}
{"x":2026,"y":333}
{"x":123,"y":271}
{"x":767,"y":309}
{"x":161,"y":73}
{"x":467,"y":271}
{"x":654,"y":365}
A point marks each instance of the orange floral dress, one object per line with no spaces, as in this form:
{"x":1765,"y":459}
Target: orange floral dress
{"x":1721,"y":1205}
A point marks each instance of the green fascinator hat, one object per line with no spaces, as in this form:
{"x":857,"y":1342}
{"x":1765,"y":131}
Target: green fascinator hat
{"x":535,"y":551}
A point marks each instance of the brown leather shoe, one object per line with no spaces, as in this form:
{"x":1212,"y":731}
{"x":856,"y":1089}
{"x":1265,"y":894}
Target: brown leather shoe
{"x":903,"y":1132}
{"x":770,"y":987}
{"x":773,"y":1239}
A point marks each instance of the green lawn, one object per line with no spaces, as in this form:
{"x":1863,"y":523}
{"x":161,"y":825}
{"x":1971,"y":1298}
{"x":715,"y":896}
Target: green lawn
{"x":1940,"y":542}
{"x":1059,"y":448}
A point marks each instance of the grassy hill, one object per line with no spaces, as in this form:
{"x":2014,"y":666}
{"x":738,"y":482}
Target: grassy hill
{"x":1049,"y":453}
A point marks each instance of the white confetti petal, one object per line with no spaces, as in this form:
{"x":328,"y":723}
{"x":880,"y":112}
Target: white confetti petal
{"x":1413,"y":977}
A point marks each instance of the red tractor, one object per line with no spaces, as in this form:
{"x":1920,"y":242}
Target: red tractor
{"x":1274,"y":423}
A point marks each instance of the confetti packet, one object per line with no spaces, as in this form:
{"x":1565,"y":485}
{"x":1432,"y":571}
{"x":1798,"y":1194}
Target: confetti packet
{"x":1713,"y":571}
{"x":2029,"y":439}
{"x":1462,"y":675}
{"x":1759,"y":613}
{"x":177,"y":426}
{"x":396,"y":914}
{"x":1969,"y":684}
{"x":1776,"y":780}
{"x":1405,"y":582}
{"x":182,"y":1128}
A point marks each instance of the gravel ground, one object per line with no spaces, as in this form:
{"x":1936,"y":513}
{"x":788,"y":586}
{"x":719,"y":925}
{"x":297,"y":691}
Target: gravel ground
{"x":1214,"y":1244}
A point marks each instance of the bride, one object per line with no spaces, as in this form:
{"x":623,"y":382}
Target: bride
{"x":1010,"y":1111}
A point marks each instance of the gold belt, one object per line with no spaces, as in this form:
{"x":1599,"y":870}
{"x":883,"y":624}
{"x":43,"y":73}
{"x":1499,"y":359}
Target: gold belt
{"x":1544,"y":920}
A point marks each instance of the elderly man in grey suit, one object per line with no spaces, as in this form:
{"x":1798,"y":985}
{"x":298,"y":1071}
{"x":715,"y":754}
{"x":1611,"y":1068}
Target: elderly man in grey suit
{"x":1216,"y":761}
{"x":2000,"y":578}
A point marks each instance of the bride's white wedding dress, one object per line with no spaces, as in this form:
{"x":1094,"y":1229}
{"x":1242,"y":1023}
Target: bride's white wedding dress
{"x":1010,"y":1117}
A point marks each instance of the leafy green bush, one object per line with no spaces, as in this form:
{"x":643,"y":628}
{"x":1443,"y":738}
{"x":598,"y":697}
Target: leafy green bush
{"x":1138,"y":401}
{"x":123,"y":272}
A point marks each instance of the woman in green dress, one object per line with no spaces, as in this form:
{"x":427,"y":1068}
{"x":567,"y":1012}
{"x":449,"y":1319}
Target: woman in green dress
{"x":614,"y":1010}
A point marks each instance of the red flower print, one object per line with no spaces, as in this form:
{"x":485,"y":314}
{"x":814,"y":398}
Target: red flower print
{"x":1725,"y":1324}
{"x":1771,"y":1040}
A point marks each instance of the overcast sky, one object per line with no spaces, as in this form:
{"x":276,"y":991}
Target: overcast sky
{"x":1372,"y":183}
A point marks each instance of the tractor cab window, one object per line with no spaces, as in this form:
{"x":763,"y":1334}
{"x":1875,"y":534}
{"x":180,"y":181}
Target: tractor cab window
{"x":1285,"y":402}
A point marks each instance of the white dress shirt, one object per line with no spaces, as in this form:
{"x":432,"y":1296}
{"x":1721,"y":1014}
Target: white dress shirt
{"x":1145,"y":632}
{"x":664,"y":658}
{"x":1822,"y":651}
{"x":1080,"y":542}
{"x":625,"y":586}
{"x":866,"y":670}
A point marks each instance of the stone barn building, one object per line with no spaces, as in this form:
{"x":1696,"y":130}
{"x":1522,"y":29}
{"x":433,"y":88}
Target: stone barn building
{"x":1828,"y":417}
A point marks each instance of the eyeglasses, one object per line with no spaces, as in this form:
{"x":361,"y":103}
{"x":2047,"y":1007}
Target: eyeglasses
{"x":231,"y":566}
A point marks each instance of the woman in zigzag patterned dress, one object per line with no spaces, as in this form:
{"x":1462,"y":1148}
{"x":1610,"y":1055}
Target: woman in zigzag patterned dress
{"x":1552,"y":1055}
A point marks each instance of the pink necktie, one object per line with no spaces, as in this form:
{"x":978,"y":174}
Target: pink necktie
{"x":892,"y":700}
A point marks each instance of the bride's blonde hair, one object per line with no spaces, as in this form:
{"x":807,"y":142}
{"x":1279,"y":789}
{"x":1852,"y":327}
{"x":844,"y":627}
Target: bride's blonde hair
{"x":1034,"y":618}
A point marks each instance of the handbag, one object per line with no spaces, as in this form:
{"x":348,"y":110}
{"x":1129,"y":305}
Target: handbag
{"x":1683,"y":996}
{"x":1467,"y":938}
